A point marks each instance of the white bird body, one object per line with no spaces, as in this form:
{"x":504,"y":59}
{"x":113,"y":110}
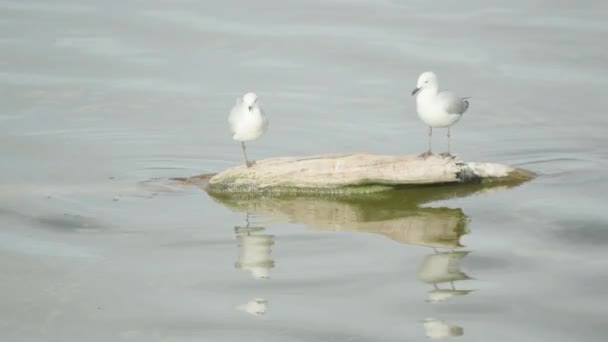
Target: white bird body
{"x":437,"y":109}
{"x":247,"y":120}
{"x":433,"y":108}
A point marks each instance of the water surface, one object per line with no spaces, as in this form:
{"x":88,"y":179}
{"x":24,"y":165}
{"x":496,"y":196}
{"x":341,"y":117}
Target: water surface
{"x":102,"y":102}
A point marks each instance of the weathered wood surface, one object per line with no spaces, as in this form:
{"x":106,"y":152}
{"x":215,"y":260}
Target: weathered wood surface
{"x":356,"y":173}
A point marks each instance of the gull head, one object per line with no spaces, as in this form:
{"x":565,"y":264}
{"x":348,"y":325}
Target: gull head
{"x":250,"y":100}
{"x":426,"y":80}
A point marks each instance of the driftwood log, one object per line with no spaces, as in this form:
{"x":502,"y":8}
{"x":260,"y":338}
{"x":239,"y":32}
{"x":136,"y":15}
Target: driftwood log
{"x":355,"y":173}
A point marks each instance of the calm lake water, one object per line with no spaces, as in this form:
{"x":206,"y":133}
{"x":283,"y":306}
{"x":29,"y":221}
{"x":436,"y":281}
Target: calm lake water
{"x":101,"y":102}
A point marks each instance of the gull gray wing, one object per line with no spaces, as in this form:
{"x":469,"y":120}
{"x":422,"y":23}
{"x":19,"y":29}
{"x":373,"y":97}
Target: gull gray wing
{"x":452,"y":103}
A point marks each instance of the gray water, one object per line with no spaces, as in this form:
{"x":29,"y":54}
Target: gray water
{"x":101,"y":102}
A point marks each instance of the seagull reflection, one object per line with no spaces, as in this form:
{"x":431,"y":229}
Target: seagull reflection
{"x":443,"y":267}
{"x":440,"y":296}
{"x":396,"y":215}
{"x":437,"y":329}
{"x":254,"y":250}
{"x":256,"y":307}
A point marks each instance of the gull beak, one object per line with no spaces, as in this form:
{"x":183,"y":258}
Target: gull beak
{"x":415,"y":91}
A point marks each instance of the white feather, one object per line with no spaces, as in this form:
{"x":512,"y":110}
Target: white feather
{"x":247,"y":120}
{"x":438,"y":109}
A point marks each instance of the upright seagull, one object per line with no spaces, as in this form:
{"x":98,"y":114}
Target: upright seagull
{"x":247,"y":121}
{"x":437,"y":109}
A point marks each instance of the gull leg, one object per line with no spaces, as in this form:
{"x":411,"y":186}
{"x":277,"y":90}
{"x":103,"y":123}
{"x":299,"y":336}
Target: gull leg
{"x":448,"y":153}
{"x":449,"y":141}
{"x":428,"y":153}
{"x":247,"y":162}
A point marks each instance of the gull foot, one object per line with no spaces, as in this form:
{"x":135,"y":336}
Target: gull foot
{"x":425,"y":154}
{"x":447,"y":155}
{"x":250,"y":163}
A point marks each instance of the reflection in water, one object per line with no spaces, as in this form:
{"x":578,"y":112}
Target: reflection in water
{"x":254,"y":250}
{"x":440,"y":296}
{"x":254,"y":256}
{"x":256,"y":307}
{"x":440,"y":268}
{"x":437,"y":329}
{"x":396,"y":215}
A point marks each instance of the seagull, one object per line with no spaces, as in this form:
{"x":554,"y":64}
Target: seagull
{"x":437,"y":109}
{"x":247,"y":121}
